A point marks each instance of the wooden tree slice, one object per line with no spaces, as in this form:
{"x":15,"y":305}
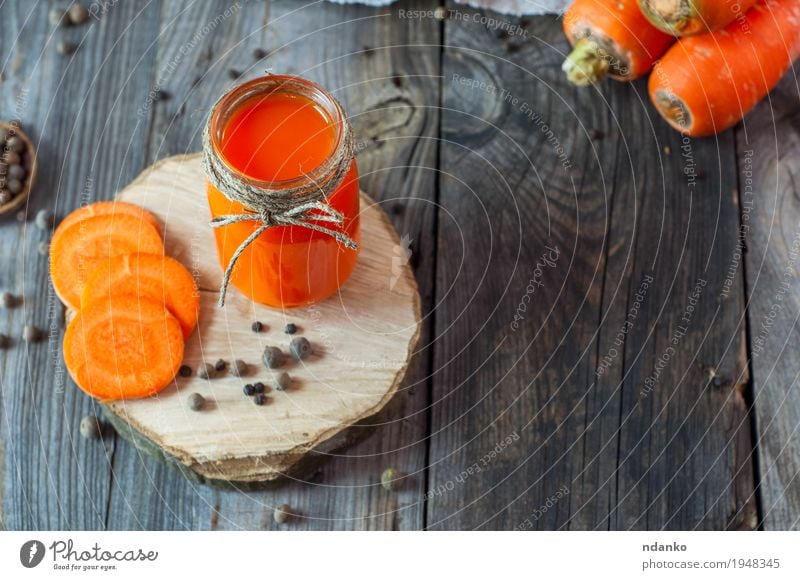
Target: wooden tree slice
{"x":362,"y":338}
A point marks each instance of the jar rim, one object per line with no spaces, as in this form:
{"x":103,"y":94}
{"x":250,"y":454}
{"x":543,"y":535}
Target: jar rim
{"x":290,"y":84}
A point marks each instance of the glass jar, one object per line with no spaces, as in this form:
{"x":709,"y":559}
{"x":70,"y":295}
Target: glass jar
{"x":281,"y":132}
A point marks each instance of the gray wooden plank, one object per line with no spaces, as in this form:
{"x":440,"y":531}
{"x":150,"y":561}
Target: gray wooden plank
{"x":197,"y":43}
{"x":78,"y":110}
{"x":524,"y":433}
{"x":386,"y":75}
{"x":768,"y":143}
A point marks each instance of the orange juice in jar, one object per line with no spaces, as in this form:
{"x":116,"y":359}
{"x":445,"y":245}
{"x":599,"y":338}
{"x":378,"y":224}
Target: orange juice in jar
{"x":281,"y":135}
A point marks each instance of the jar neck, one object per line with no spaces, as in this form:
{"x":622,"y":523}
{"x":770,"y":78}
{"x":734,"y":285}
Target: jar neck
{"x":330,"y":168}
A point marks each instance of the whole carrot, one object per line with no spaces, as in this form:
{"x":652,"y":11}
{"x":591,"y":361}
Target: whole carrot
{"x":610,"y":37}
{"x":707,"y":83}
{"x":688,"y":17}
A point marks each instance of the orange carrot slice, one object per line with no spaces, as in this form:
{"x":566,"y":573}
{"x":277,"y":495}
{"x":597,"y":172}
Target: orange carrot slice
{"x":158,"y":278}
{"x":124,"y":347}
{"x":82,"y":246}
{"x":109,"y":207}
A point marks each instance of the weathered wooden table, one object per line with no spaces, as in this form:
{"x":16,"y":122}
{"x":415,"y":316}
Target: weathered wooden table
{"x":610,"y":309}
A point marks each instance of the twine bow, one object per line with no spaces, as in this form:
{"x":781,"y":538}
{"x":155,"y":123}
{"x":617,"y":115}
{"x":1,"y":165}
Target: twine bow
{"x":299,"y":206}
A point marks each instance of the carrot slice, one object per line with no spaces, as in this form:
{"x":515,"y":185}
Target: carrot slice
{"x":79,"y":248}
{"x":124,"y":347}
{"x":109,"y":207}
{"x":159,"y":278}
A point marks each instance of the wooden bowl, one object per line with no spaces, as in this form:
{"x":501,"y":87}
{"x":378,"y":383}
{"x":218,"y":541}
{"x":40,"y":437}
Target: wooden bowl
{"x":30,"y":179}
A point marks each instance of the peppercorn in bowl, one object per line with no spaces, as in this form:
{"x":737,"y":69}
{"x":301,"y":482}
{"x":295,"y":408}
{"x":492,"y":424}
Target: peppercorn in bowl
{"x":17,"y":166}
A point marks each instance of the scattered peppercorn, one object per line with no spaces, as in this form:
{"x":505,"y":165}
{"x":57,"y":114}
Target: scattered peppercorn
{"x":207,"y":371}
{"x":66,"y":48}
{"x":273,"y":357}
{"x":249,"y":390}
{"x":595,"y":134}
{"x":300,"y":347}
{"x":259,"y":53}
{"x":30,"y":333}
{"x":161,"y":95}
{"x":44,"y":219}
{"x":258,"y":388}
{"x":78,"y":13}
{"x":197,"y":402}
{"x":239,"y":368}
{"x":291,"y":328}
{"x":389,"y":479}
{"x":8,"y":300}
{"x":91,"y":428}
{"x":282,"y":514}
{"x":185,"y":371}
{"x":220,"y":365}
{"x":234,"y":74}
{"x":5,"y":342}
{"x":283,"y":381}
{"x":256,"y":326}
{"x":260,"y":399}
{"x":667,"y":150}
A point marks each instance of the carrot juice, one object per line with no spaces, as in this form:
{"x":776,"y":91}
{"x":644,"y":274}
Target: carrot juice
{"x":281,"y":131}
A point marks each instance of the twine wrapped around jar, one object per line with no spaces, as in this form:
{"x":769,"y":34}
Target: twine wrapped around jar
{"x":303,"y":205}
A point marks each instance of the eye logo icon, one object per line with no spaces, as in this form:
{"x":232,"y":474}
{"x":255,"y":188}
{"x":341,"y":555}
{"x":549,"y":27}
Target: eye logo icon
{"x":31,"y":553}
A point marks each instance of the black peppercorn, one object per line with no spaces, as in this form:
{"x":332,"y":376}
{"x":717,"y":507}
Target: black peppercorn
{"x":78,"y":13}
{"x":185,"y":371}
{"x":91,"y":428}
{"x":282,"y":514}
{"x":256,"y":326}
{"x":283,"y":381}
{"x":260,"y":399}
{"x":300,"y":347}
{"x":220,"y":365}
{"x":273,"y":357}
{"x":196,"y":402}
{"x":207,"y":371}
{"x":291,"y":328}
{"x":31,"y":334}
{"x":7,"y":300}
{"x":66,"y":48}
{"x":239,"y":368}
{"x":249,"y":390}
{"x":258,"y":388}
